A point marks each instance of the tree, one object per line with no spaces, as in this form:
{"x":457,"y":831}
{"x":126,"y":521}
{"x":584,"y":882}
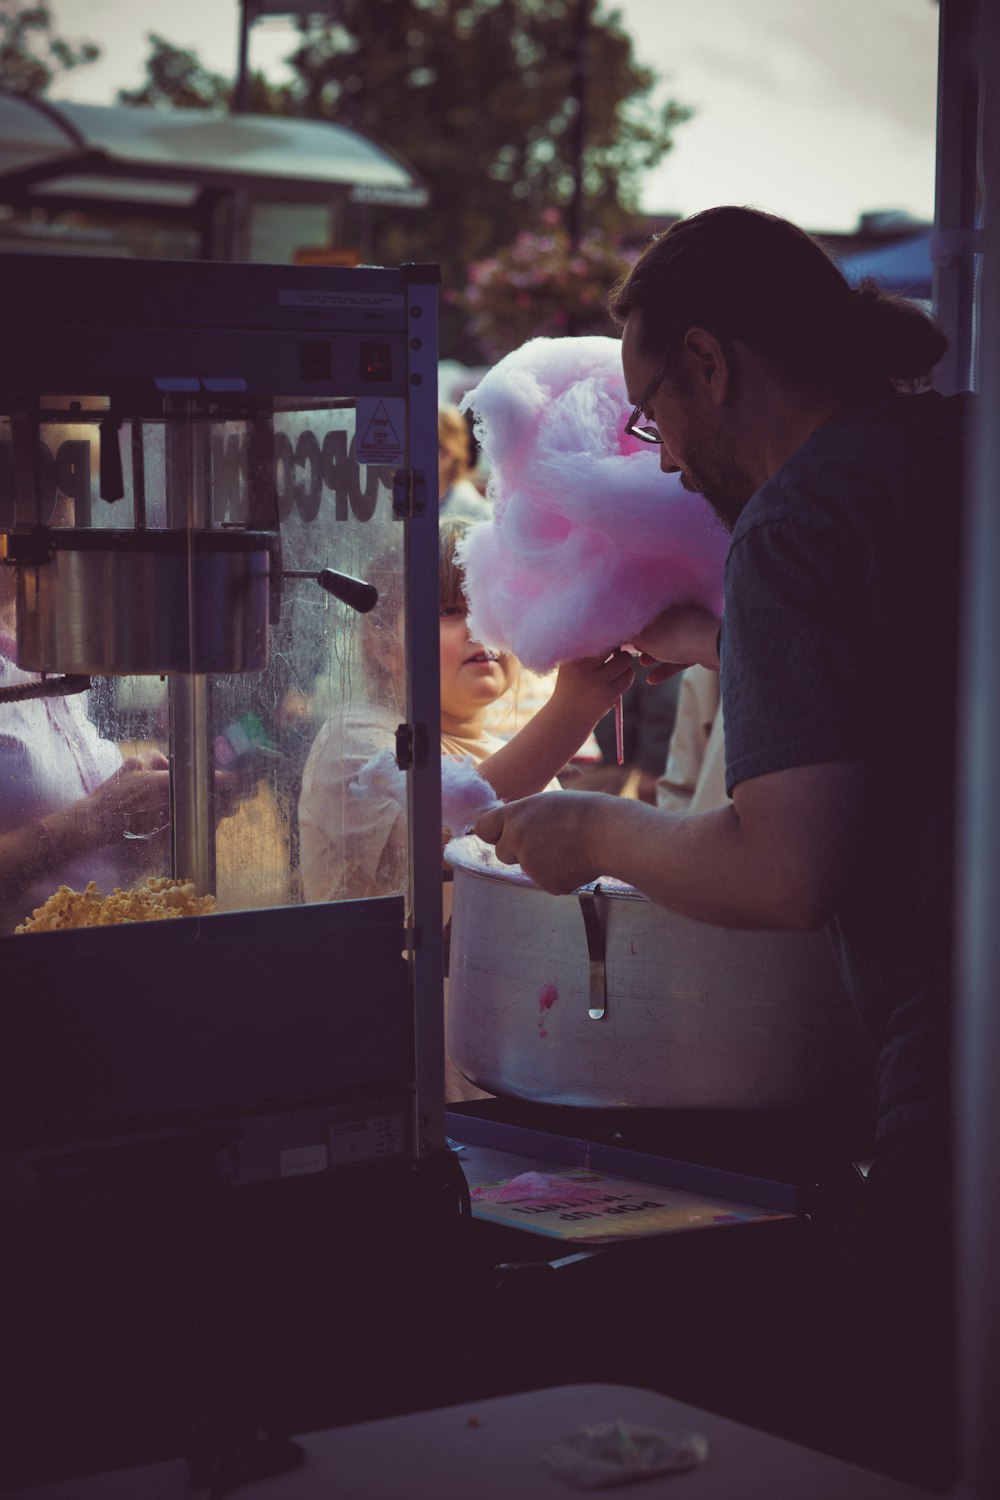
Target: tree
{"x":478,"y":96}
{"x":542,"y":285}
{"x":30,"y":55}
{"x":176,"y":79}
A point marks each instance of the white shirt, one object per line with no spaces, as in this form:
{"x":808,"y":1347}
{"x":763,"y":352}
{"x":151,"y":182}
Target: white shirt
{"x":50,"y":756}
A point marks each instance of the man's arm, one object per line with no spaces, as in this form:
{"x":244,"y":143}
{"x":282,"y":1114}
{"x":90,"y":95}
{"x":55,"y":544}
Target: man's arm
{"x":778,"y":857}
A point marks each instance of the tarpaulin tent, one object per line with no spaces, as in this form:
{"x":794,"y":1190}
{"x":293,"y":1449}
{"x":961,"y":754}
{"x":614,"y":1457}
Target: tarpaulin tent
{"x":904,"y":266}
{"x":178,"y":163}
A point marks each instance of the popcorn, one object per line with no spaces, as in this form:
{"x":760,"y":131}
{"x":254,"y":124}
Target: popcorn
{"x":159,"y":899}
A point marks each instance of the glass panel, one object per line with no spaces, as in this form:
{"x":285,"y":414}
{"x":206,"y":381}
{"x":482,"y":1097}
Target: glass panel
{"x":130,"y":591}
{"x":334,"y":685}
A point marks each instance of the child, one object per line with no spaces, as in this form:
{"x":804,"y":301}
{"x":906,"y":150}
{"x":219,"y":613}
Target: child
{"x":354,"y":846}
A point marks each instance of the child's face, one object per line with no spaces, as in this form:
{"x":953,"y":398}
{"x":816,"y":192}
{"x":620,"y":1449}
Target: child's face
{"x":471,"y":677}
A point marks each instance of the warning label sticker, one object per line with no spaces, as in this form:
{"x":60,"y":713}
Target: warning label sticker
{"x":380,"y":428}
{"x":371,"y":301}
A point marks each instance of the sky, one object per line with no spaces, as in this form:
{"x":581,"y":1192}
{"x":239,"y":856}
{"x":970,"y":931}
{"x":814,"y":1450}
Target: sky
{"x":819,"y":110}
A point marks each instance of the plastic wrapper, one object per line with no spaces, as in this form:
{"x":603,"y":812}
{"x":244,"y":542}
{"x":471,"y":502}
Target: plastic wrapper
{"x":606,"y":1454}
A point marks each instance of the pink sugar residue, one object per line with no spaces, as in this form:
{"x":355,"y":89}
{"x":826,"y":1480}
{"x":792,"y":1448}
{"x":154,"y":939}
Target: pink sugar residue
{"x":530,"y":1185}
{"x":546,"y":1000}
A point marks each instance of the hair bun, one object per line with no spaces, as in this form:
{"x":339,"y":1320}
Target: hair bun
{"x":894,"y":333}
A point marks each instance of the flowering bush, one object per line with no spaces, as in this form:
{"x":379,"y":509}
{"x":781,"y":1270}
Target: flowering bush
{"x":541,"y":285}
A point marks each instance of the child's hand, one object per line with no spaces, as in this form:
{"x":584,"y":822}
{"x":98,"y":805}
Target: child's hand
{"x":583,"y":693}
{"x":589,"y":687}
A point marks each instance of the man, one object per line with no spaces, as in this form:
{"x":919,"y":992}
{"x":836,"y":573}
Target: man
{"x":790,"y":401}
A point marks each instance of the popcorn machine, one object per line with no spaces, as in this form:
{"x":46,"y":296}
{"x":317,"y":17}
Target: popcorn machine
{"x":218,"y":535}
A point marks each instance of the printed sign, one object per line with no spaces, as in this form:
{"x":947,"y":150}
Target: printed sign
{"x":583,"y":1205}
{"x":364,"y":1140}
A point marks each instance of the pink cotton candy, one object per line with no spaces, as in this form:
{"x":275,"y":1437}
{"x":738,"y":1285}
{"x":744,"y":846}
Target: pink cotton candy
{"x":588,"y":541}
{"x":567,"y":1192}
{"x":465,"y":795}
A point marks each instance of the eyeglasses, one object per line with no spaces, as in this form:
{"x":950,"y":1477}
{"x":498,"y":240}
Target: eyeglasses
{"x":649,"y":434}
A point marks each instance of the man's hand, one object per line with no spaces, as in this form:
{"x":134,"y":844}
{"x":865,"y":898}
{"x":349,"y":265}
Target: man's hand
{"x":553,"y":836}
{"x":683,"y":636}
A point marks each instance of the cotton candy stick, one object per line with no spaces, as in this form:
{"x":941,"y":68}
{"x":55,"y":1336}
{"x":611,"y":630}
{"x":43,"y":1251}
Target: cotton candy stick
{"x":619,"y":730}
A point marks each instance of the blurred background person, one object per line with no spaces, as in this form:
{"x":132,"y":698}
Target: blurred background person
{"x":694,"y":777}
{"x":461,"y":499}
{"x":649,"y":710}
{"x":71,"y":808}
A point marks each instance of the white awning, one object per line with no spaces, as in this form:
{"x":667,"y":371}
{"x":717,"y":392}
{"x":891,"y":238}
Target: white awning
{"x":87,"y":153}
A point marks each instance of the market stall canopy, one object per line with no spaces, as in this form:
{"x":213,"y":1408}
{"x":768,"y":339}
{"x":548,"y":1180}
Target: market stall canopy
{"x":87,"y":155}
{"x":904,"y":266}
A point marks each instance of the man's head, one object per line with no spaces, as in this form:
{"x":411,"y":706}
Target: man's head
{"x":732,"y":297}
{"x":688,"y":401}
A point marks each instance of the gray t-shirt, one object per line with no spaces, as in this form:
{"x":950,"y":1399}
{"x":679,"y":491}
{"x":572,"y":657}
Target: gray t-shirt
{"x":840,"y":643}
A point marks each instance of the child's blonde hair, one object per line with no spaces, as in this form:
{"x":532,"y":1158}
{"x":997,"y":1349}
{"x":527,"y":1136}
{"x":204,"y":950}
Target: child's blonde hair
{"x":455,"y":438}
{"x":451,"y":582}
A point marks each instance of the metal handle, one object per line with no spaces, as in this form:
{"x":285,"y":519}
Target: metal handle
{"x":355,"y":592}
{"x":596,"y":953}
{"x":112,"y":481}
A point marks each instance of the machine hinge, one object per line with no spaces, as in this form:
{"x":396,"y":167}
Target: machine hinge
{"x":409,"y":492}
{"x":414,"y":938}
{"x":412,"y":747}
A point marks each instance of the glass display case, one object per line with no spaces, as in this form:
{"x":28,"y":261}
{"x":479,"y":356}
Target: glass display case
{"x":218,"y":604}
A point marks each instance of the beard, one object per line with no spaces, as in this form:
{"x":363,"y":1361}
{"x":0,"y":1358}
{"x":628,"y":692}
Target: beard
{"x":712,"y":467}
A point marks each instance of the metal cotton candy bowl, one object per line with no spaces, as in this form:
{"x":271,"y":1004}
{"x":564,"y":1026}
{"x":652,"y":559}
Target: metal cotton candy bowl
{"x":603,"y":999}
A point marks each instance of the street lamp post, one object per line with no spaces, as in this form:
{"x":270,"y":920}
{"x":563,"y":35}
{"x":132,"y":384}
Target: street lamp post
{"x":240,"y":90}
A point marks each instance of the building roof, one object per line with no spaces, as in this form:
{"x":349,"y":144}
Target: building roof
{"x":83,"y":155}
